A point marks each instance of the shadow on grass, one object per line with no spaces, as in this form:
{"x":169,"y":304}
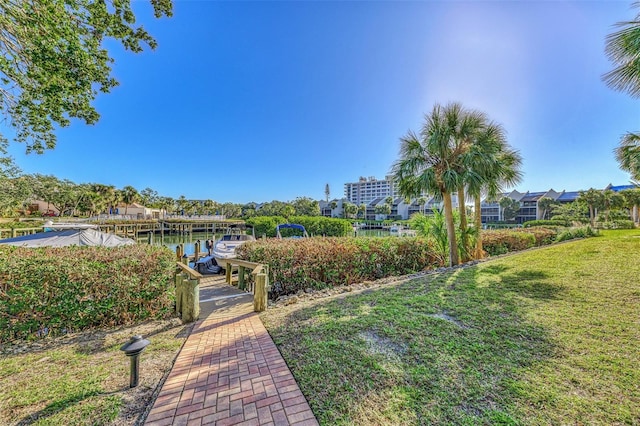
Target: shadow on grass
{"x":447,"y":375}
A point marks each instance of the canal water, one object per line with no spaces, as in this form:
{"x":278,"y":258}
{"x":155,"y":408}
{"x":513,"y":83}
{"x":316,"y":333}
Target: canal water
{"x":189,"y":240}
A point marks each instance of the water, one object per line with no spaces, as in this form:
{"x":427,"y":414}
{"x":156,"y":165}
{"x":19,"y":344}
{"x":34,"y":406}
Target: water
{"x":189,"y":241}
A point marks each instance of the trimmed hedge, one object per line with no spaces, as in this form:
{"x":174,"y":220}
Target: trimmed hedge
{"x":315,"y":225}
{"x":553,"y":222}
{"x":501,"y":241}
{"x":616,"y":224}
{"x":328,"y":261}
{"x":53,"y":290}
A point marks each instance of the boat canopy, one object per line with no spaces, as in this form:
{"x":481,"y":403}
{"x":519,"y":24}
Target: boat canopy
{"x":69,"y":237}
{"x":291,"y":226}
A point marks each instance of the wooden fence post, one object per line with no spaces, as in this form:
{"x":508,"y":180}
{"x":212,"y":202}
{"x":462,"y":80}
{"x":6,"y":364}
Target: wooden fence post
{"x":180,"y":277}
{"x":241,"y":284}
{"x":227,"y":273}
{"x":191,"y":301}
{"x":260,"y":295}
{"x":197,"y":255}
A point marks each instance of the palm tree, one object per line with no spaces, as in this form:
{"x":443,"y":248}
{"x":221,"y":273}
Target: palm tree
{"x":129,"y":195}
{"x":628,"y":153}
{"x":594,"y":199}
{"x":545,"y":204}
{"x":623,"y":49}
{"x":431,"y":162}
{"x":632,"y":202}
{"x":492,"y":165}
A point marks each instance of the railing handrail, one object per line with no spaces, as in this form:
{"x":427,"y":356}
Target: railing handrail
{"x":192,"y":272}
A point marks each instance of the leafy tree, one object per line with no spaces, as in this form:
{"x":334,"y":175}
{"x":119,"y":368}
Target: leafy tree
{"x":383,"y":209}
{"x":611,"y":200}
{"x":148,"y":197}
{"x":305,"y":206}
{"x":576,"y":212}
{"x":593,"y":199}
{"x":333,"y":205}
{"x":510,"y":208}
{"x":628,"y":153}
{"x":53,"y":61}
{"x":632,"y":201}
{"x":182,"y":203}
{"x":545,"y":204}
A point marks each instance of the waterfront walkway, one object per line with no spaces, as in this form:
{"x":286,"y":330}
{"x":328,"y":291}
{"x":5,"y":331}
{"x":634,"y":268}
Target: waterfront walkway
{"x":229,"y":371}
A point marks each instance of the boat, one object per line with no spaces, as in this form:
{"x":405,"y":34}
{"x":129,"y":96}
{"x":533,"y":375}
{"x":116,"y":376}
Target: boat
{"x":234,"y":237}
{"x":291,"y":226}
{"x":401,"y":231}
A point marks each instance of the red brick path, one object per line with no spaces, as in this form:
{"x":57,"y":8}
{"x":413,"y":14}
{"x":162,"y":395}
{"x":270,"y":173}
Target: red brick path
{"x":230,"y":372}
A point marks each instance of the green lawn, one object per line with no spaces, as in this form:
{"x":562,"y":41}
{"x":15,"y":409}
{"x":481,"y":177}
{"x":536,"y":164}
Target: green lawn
{"x":549,"y":336}
{"x":83,"y":379}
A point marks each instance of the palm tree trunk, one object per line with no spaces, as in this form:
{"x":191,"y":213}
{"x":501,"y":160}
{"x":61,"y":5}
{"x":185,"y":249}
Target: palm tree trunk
{"x":478,"y":225}
{"x":451,"y":230}
{"x":464,"y":240}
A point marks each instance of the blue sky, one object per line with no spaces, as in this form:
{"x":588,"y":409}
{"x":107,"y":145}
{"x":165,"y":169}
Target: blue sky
{"x":256,"y":101}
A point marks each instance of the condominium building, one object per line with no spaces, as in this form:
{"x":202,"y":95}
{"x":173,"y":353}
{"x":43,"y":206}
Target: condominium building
{"x":368,"y":189}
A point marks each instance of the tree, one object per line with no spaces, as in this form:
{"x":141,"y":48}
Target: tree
{"x":632,"y":201}
{"x":362,"y":211}
{"x":430,"y":163}
{"x":628,"y":153}
{"x":53,"y":61}
{"x":492,"y":166}
{"x":305,"y":206}
{"x":510,"y":208}
{"x":327,"y":192}
{"x":623,"y":49}
{"x":148,"y":197}
{"x":593,"y":199}
{"x":349,"y":209}
{"x":545,"y":204}
{"x":129,"y":195}
{"x":611,"y":200}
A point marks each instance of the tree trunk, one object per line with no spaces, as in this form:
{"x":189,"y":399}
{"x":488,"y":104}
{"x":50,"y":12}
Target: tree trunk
{"x":451,"y":230}
{"x":478,"y":224}
{"x":464,"y":239}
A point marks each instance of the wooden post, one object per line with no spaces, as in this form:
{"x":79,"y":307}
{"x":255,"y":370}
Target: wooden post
{"x":260,"y":295}
{"x":197,"y":255}
{"x":241,"y":284}
{"x":191,"y":301}
{"x":180,"y":277}
{"x":178,"y":253}
{"x":13,"y":232}
{"x":227,"y":273}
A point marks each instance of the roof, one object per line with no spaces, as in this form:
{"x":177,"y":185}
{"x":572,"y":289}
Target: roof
{"x":568,"y":196}
{"x":619,"y":188}
{"x":533,"y":196}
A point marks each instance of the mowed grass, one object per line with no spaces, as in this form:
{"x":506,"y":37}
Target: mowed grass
{"x":545,"y":337}
{"x":83,"y":379}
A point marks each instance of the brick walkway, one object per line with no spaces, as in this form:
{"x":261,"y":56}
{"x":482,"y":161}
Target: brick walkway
{"x":229,"y":371}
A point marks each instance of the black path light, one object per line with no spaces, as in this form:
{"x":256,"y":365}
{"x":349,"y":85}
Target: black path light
{"x":133,"y":348}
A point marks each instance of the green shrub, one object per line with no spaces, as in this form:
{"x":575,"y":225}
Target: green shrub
{"x":56,"y":289}
{"x":542,"y":235}
{"x":326,"y":262}
{"x":265,"y":225}
{"x":554,"y":222}
{"x":501,"y":241}
{"x":615,"y":224}
{"x":581,"y":232}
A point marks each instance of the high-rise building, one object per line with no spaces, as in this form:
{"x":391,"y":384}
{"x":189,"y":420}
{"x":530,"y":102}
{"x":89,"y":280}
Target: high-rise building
{"x":368,"y":189}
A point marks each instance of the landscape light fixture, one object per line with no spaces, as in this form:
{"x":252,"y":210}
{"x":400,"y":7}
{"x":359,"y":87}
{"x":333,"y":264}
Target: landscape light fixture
{"x":133,"y":348}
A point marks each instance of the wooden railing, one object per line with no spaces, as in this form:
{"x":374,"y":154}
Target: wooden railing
{"x":261,"y":278}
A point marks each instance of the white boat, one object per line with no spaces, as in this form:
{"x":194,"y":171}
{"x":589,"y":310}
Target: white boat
{"x":234,"y":237}
{"x":401,"y":231}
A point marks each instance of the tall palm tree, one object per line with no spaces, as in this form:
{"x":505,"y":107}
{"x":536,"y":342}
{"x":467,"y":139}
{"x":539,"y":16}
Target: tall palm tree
{"x":492,"y":165}
{"x":623,"y":49}
{"x":628,"y":153}
{"x":430,"y":163}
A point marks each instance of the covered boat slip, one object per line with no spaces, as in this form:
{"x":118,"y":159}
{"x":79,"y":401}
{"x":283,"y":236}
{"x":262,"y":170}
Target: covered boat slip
{"x":69,"y":237}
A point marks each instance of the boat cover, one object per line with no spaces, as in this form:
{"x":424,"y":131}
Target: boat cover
{"x":69,"y":237}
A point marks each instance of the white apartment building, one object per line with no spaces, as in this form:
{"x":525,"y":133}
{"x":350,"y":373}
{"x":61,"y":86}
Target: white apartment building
{"x":368,"y":189}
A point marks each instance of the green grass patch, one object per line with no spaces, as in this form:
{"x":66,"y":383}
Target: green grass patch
{"x":83,"y":379}
{"x":548,"y":336}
